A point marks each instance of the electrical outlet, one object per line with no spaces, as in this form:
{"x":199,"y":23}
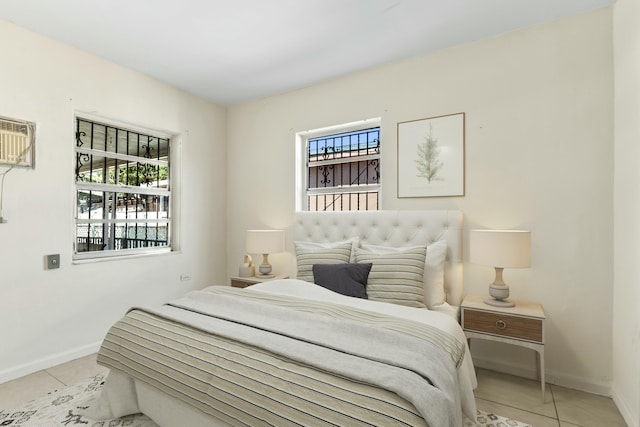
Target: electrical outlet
{"x":185,"y":277}
{"x":53,"y":261}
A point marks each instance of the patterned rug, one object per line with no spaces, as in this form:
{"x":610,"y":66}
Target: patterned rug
{"x":64,"y":407}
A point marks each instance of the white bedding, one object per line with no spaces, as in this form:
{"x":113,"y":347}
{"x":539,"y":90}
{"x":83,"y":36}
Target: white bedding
{"x":444,"y":318}
{"x":122,"y":391}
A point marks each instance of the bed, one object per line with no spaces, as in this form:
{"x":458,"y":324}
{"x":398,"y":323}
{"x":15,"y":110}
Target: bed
{"x":291,"y":352}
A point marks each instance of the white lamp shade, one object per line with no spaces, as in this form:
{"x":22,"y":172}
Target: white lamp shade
{"x":265,"y":241}
{"x":500,"y":248}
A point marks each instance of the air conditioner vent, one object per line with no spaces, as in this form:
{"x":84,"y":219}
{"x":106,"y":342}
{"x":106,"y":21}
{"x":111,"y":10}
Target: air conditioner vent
{"x":17,"y":142}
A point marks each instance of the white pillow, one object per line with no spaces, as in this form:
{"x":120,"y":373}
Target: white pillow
{"x":308,"y":254}
{"x":433,"y":276}
{"x":434,"y":293}
{"x":396,"y":276}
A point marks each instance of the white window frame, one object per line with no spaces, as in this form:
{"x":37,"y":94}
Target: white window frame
{"x":172,"y":231}
{"x":302,"y":176}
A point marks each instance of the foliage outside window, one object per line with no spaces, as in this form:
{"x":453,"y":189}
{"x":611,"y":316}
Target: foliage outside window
{"x":342,"y":170}
{"x":122,"y":191}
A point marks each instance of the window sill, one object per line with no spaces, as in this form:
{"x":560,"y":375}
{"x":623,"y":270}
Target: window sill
{"x":80,"y":261}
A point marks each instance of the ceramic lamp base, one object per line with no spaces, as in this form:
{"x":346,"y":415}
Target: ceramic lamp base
{"x":499,"y":303}
{"x":499,"y":292}
{"x":265,"y":268}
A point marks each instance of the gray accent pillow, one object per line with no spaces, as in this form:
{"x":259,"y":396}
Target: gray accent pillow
{"x":345,"y":279}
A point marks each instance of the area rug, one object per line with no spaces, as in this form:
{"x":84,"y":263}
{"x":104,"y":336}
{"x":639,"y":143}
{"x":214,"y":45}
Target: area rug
{"x":65,"y":407}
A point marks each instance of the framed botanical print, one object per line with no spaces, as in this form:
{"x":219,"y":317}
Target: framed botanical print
{"x":431,"y":157}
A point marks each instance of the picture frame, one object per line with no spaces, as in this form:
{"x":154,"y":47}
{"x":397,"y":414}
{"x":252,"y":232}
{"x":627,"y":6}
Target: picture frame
{"x":431,"y":156}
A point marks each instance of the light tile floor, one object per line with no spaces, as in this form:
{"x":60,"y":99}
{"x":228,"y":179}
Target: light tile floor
{"x":521,"y":399}
{"x":502,"y":394}
{"x":21,"y":390}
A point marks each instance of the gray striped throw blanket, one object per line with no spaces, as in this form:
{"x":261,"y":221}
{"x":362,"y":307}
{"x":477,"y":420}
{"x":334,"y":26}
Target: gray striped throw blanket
{"x":252,"y":359}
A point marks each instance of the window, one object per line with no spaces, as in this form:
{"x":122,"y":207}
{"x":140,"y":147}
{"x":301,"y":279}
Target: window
{"x":122,"y":190}
{"x":341,"y":169}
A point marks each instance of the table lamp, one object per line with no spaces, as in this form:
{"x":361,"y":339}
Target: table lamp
{"x":500,"y":249}
{"x":265,"y":242}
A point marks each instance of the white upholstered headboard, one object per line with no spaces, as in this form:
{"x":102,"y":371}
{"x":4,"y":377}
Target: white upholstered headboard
{"x":392,"y":228}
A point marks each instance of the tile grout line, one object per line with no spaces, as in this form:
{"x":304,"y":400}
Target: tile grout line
{"x":520,"y":409}
{"x":555,"y":407}
{"x":46,"y":371}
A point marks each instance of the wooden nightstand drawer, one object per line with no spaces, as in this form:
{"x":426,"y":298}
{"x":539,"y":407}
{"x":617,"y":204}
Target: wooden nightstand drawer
{"x":243,"y":282}
{"x":503,"y":325}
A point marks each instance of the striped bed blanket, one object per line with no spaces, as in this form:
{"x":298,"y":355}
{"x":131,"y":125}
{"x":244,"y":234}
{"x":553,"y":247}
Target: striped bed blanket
{"x":252,"y":359}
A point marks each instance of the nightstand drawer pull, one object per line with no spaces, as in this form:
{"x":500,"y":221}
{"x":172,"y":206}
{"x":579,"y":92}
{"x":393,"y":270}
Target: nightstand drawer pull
{"x":501,"y":324}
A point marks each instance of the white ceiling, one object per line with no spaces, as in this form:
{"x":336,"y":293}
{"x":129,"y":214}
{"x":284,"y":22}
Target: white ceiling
{"x":230,"y":51}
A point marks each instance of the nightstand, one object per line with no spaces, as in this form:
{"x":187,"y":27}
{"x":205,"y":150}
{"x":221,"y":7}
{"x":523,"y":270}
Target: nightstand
{"x":521,"y":325}
{"x":243,"y":282}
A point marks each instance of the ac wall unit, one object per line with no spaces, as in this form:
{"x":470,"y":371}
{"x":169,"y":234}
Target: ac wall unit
{"x":17,"y":142}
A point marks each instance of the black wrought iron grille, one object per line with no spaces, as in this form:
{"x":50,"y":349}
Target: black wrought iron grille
{"x":344,"y":171}
{"x":122,"y":188}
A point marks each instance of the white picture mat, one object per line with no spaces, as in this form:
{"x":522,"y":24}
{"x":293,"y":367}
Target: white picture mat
{"x":448,"y":131}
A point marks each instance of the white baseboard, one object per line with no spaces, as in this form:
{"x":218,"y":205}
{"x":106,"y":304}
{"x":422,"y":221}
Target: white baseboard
{"x":632,"y":420}
{"x":569,"y":381}
{"x":47,"y":362}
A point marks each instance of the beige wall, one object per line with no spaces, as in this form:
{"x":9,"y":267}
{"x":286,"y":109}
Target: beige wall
{"x":539,"y":156}
{"x":48,"y":317}
{"x":626,"y":314}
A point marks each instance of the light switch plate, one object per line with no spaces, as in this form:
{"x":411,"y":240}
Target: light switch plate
{"x":53,"y":261}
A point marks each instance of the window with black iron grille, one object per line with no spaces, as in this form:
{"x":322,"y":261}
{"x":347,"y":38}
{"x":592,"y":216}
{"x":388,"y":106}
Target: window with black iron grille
{"x":122,"y":190}
{"x":343,"y":171}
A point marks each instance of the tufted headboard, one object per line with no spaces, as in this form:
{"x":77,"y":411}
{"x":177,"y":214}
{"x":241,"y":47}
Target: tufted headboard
{"x":392,"y":228}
